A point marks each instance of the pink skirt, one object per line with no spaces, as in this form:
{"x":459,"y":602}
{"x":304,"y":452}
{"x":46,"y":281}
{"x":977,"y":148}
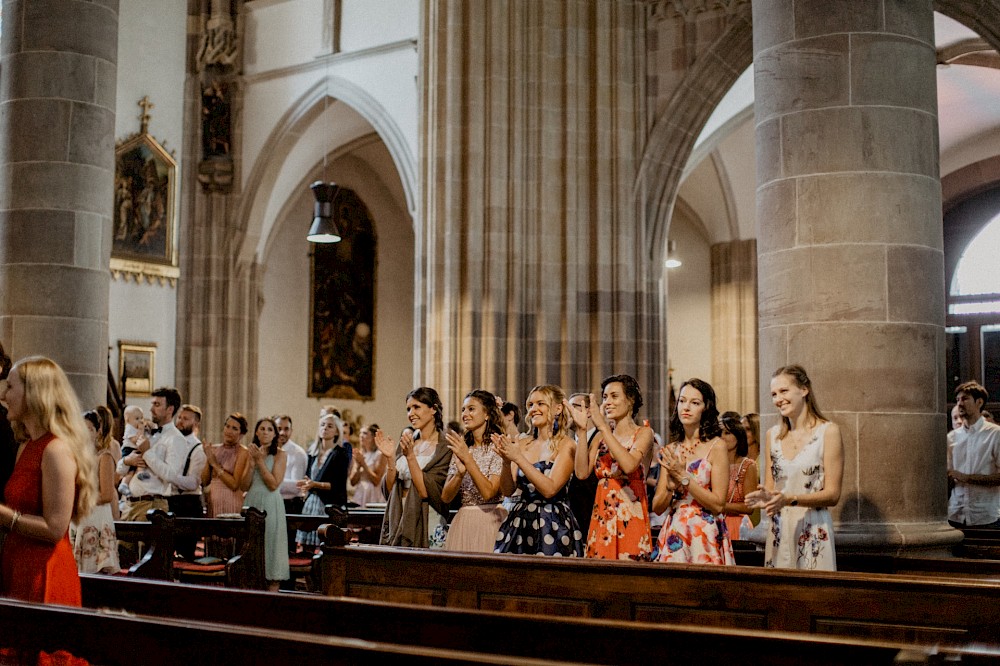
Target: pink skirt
{"x":475,"y":527}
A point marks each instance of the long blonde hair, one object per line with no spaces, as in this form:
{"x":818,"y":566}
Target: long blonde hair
{"x":49,"y":397}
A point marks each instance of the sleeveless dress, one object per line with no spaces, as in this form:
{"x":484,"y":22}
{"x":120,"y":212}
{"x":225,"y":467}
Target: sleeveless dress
{"x":222,"y":500}
{"x":619,"y":524}
{"x":691,"y":533}
{"x":366,"y":491}
{"x":95,"y":545}
{"x":474,"y":528}
{"x":269,"y":501}
{"x":31,"y":569}
{"x":800,"y":537}
{"x":537,"y":525}
{"x":736,"y":522}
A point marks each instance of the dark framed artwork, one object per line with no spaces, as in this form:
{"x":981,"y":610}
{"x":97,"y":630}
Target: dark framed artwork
{"x":136,"y":367}
{"x":342,"y":306}
{"x":145,"y":215}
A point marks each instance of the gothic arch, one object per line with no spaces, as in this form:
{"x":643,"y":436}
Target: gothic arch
{"x":676,"y":129}
{"x":287,"y":132}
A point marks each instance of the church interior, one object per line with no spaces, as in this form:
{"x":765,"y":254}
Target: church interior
{"x":532,"y":192}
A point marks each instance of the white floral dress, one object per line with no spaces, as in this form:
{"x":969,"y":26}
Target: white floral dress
{"x":800,"y":537}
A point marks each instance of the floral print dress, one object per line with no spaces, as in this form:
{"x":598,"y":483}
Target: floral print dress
{"x":800,"y":537}
{"x":691,"y":533}
{"x":619,"y":524}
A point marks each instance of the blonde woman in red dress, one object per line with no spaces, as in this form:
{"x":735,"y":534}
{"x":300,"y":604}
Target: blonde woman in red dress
{"x":54,"y":481}
{"x":619,"y":523}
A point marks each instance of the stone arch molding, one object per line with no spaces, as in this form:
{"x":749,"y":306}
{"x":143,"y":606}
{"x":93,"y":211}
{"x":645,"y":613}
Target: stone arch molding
{"x":287,"y":132}
{"x":676,"y":129}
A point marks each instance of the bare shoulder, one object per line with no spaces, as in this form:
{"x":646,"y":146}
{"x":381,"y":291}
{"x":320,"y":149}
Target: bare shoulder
{"x":833,"y":436}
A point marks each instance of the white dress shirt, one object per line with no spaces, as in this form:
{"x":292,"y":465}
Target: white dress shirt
{"x":295,"y":470}
{"x":975,"y":450}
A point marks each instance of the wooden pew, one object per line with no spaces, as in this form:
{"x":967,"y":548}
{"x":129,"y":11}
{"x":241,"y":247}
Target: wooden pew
{"x":245,"y":569}
{"x":513,"y":635}
{"x":119,"y":640}
{"x":979,"y":543}
{"x":908,"y":609}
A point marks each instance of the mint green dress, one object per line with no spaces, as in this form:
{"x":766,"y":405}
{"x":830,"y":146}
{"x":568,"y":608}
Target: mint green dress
{"x":275,"y":532}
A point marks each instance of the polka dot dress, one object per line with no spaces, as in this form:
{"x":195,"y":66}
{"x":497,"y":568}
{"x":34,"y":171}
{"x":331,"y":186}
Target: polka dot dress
{"x":540,"y":526}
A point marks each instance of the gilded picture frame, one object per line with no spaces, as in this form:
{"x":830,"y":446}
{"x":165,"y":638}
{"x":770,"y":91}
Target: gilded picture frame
{"x":136,"y":367}
{"x":144,"y":229}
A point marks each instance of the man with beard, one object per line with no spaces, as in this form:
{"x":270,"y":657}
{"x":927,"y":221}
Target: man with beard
{"x":186,"y":498}
{"x":974,"y":463}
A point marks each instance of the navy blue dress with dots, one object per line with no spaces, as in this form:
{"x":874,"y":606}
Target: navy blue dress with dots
{"x":537,"y":525}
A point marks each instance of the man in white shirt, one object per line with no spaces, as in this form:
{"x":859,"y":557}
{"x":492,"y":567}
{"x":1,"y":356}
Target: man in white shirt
{"x":186,"y":498}
{"x":295,"y":470}
{"x":160,"y":457}
{"x":974,"y":463}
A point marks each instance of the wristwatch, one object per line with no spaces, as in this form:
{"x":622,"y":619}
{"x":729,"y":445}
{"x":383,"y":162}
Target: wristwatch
{"x":686,"y":481}
{"x":795,"y":501}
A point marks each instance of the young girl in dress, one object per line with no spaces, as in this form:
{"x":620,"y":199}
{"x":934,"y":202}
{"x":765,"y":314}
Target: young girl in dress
{"x":540,"y":521}
{"x":475,"y":472}
{"x":263,"y":478}
{"x":694,"y":479}
{"x":369,"y":468}
{"x":743,"y":474}
{"x":619,"y":523}
{"x":95,"y":545}
{"x":804,"y":464}
{"x":53,"y":482}
{"x":415,"y":513}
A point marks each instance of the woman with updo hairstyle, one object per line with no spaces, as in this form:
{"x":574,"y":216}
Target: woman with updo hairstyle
{"x":54,"y":482}
{"x":619,"y":523}
{"x":95,"y":544}
{"x":743,"y":474}
{"x":804,"y":465}
{"x":475,"y":472}
{"x":416,"y":469}
{"x":694,"y":480}
{"x":540,"y":521}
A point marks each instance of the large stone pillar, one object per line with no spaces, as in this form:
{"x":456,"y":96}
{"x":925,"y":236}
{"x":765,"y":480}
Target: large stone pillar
{"x":57,"y":125}
{"x":850,"y":247}
{"x":532,"y":265}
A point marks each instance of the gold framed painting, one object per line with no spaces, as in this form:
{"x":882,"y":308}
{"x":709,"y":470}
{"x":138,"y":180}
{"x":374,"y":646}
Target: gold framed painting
{"x":144,"y":243}
{"x":136,"y":367}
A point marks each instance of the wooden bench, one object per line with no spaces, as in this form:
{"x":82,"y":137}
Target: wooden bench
{"x":979,"y":543}
{"x":907,"y":609}
{"x":245,"y":569}
{"x":120,"y":640}
{"x":512,"y":635}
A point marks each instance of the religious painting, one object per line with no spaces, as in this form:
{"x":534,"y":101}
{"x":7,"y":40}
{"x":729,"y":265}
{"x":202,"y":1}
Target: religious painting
{"x":136,"y":367}
{"x":143,"y":241}
{"x":342,"y":327}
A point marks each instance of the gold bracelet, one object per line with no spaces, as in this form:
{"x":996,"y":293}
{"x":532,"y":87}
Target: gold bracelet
{"x":13,"y":521}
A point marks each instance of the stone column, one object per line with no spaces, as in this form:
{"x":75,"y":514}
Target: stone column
{"x":850,"y":247}
{"x":532,"y":266}
{"x":734,"y":324}
{"x":57,"y":126}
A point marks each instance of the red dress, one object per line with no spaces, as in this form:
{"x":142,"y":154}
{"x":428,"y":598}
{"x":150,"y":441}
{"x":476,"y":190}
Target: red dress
{"x":31,"y":569}
{"x":619,"y":524}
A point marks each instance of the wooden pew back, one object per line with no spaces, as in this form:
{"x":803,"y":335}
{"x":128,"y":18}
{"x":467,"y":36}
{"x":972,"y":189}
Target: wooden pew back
{"x":512,"y":635}
{"x":877,"y":606}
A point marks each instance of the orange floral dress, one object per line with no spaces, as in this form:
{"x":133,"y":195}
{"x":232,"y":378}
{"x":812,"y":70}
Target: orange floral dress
{"x":619,"y":524}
